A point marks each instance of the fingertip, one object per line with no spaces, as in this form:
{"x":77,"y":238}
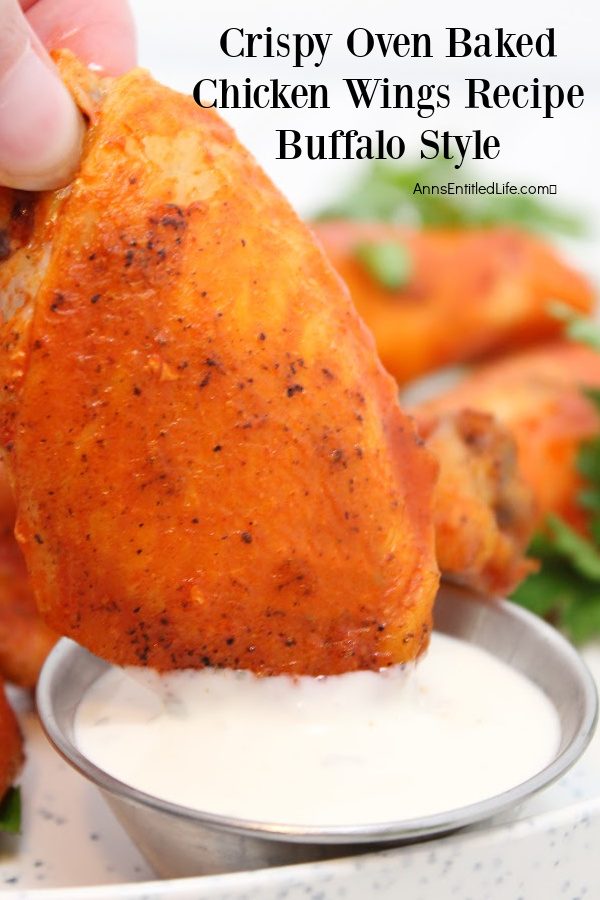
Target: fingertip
{"x":41,"y":130}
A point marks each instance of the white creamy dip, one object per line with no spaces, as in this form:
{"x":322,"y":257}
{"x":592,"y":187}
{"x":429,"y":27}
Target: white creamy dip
{"x":363,"y":747}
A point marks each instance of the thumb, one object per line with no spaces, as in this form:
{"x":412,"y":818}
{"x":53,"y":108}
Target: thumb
{"x":40,"y":127}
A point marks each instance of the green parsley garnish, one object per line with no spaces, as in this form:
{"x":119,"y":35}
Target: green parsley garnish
{"x":577,"y":327}
{"x":566,"y":590}
{"x":385,"y":192}
{"x":10,"y":811}
{"x":387,"y":262}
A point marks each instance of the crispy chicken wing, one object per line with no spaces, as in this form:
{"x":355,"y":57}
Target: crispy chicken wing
{"x":11,"y":744}
{"x":484,"y":511}
{"x":469,"y":293}
{"x":538,"y":396}
{"x":25,"y":640}
{"x":210,"y":464}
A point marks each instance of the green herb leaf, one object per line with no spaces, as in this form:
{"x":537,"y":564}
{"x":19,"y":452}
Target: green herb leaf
{"x":385,"y":192}
{"x":547,"y":592}
{"x":578,"y":328}
{"x":566,"y":589}
{"x":581,"y":553}
{"x":593,"y":394}
{"x":563,"y":597}
{"x":585,"y":331}
{"x":10,"y":811}
{"x":581,"y":619}
{"x":588,"y":461}
{"x":387,"y":262}
{"x":589,"y":498}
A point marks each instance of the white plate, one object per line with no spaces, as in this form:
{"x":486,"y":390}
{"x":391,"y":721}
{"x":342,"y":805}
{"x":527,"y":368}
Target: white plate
{"x":73,"y":849}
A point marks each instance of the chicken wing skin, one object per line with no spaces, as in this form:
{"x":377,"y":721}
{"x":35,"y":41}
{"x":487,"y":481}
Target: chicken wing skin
{"x":11,"y":744}
{"x":484,"y":509}
{"x":25,"y":640}
{"x":468,"y":294}
{"x":538,"y":396}
{"x":209,"y":461}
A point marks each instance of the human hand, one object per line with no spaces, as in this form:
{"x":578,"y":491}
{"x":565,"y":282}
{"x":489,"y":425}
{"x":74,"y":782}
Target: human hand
{"x":40,"y":127}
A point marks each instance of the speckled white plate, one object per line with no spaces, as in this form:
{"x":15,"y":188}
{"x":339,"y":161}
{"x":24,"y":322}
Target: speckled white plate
{"x":73,"y":849}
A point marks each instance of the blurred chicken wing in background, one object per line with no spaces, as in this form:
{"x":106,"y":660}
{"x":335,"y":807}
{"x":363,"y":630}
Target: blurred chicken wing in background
{"x":438,"y":297}
{"x":483,"y":508}
{"x":539,"y":396}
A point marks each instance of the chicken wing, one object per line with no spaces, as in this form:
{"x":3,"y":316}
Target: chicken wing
{"x":209,"y":462}
{"x":468,"y":293}
{"x":484,"y":510}
{"x":11,"y":744}
{"x":25,"y":640}
{"x":538,"y":396}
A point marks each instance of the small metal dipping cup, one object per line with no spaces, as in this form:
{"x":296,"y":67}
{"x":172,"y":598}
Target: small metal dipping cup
{"x":178,"y":841}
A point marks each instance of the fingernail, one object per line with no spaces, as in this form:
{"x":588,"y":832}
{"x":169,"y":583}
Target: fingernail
{"x":41,"y":129}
